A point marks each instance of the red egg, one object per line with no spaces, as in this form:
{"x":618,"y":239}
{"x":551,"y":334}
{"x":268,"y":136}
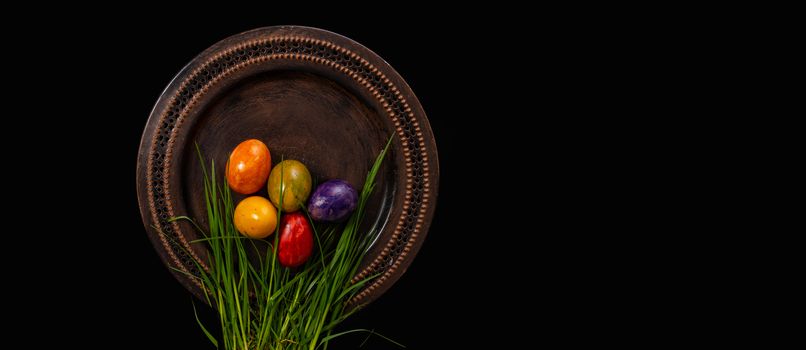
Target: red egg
{"x":296,"y":240}
{"x":249,"y":166}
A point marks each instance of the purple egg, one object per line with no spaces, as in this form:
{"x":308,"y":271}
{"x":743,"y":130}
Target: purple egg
{"x":333,"y":201}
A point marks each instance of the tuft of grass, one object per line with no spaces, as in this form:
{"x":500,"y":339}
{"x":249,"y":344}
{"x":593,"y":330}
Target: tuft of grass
{"x":262,"y":305}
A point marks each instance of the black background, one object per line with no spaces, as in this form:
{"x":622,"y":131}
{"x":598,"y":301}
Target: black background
{"x":553,"y":126}
{"x":462,"y":277}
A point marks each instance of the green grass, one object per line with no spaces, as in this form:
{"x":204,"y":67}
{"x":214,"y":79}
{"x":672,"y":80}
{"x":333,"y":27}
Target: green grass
{"x":262,"y":305}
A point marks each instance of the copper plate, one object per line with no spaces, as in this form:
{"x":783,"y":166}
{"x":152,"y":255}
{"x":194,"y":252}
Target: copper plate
{"x":310,"y":95}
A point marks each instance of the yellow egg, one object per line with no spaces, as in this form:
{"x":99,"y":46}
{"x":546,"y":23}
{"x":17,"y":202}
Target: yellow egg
{"x":255,"y":217}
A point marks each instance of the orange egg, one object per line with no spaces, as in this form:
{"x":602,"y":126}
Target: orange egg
{"x":249,"y":166}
